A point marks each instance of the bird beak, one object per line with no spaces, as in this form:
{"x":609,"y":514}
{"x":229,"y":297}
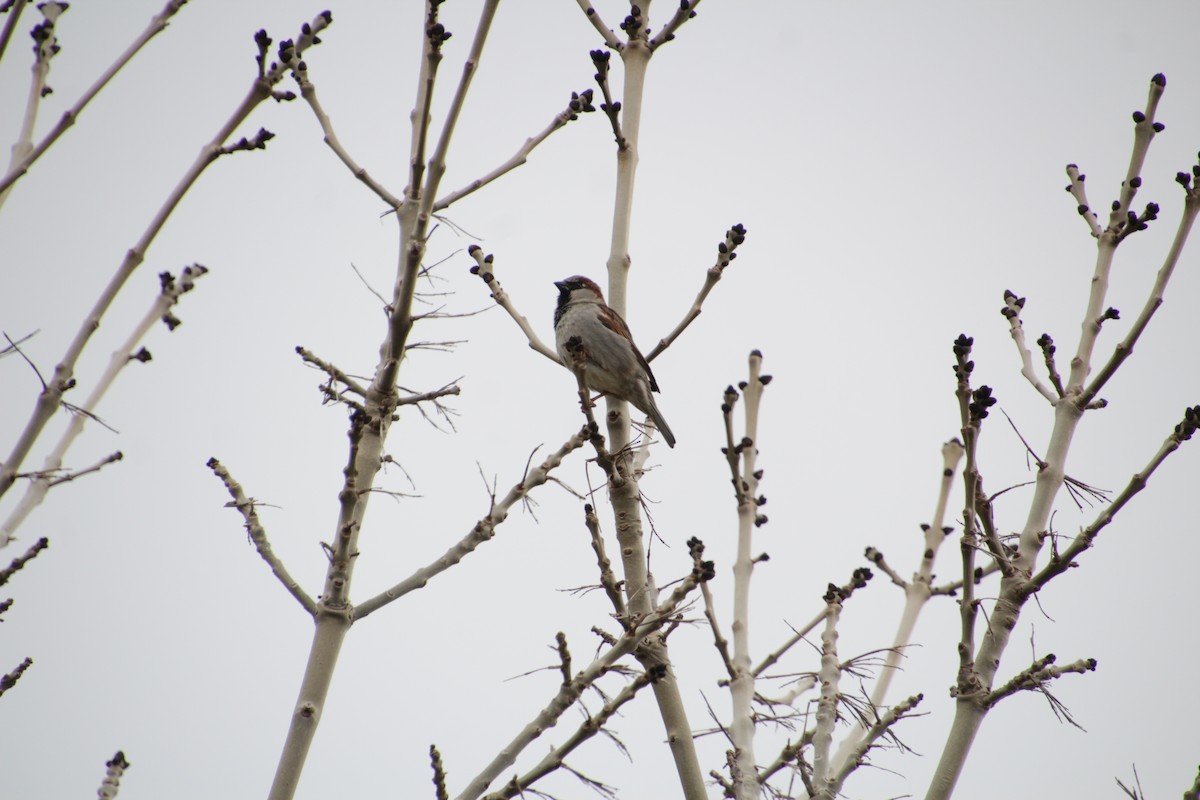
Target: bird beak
{"x":562,"y":285}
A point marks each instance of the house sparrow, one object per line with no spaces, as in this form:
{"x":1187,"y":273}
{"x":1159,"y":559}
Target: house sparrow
{"x":614,"y":364}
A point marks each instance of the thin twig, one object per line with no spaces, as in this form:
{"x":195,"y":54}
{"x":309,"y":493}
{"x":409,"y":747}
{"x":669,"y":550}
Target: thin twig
{"x":608,"y":578}
{"x":99,"y":465}
{"x":725,"y":254}
{"x":1036,"y":675}
{"x":332,"y":371}
{"x":309,"y":92}
{"x":482,"y":531}
{"x":606,"y":33}
{"x":258,"y":535}
{"x":580,"y":102}
{"x":483,"y":268}
{"x":1076,"y":190}
{"x":685,"y":11}
{"x":1012,"y":312}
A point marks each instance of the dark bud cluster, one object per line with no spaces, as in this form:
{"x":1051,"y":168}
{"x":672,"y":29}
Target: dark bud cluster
{"x":437,"y":35}
{"x":601,"y":58}
{"x":962,"y":349}
{"x":860,"y":577}
{"x":1047,"y":344}
{"x":1135,"y":222}
{"x":435,"y":31}
{"x":725,"y":250}
{"x":263,"y":42}
{"x":581,"y":102}
{"x":1110,"y":313}
{"x":707,"y":570}
{"x":632,"y":24}
{"x":43,"y":33}
{"x":189,"y":275}
{"x":287,"y":51}
{"x":1191,"y":421}
{"x":1012,"y":305}
{"x":731,"y":397}
{"x":981,"y":401}
{"x":1185,"y":180}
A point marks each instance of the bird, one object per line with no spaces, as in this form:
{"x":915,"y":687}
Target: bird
{"x":615,"y":366}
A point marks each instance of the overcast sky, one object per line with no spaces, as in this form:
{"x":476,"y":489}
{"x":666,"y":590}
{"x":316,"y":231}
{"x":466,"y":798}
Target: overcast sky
{"x":898,"y":167}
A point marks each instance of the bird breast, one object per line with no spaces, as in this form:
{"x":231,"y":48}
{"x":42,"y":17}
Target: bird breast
{"x":611,"y":364}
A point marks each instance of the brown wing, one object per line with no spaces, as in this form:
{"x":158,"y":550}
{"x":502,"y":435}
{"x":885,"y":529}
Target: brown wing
{"x":612,"y":320}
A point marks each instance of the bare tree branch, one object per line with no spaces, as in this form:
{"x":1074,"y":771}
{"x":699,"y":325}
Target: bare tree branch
{"x":258,"y":535}
{"x":725,"y":254}
{"x":483,"y":268}
{"x":483,"y":531}
{"x":26,"y":152}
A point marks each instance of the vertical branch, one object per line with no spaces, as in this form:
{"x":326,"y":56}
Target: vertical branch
{"x":369,"y":428}
{"x":916,"y":594}
{"x":1069,"y":410}
{"x":626,"y":498}
{"x":635,"y":57}
{"x":830,"y":677}
{"x":970,"y":689}
{"x":437,"y":164}
{"x":741,"y":686}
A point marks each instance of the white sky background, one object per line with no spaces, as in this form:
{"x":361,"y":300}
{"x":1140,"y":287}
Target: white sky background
{"x":898,"y":167}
